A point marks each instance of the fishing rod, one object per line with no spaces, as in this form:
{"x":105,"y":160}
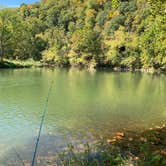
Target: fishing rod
{"x":41,"y":124}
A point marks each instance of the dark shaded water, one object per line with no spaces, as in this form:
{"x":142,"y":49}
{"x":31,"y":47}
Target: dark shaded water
{"x":82,"y":106}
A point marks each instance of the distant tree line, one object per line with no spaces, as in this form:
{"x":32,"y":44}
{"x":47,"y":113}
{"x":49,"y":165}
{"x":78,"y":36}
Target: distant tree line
{"x":88,"y":33}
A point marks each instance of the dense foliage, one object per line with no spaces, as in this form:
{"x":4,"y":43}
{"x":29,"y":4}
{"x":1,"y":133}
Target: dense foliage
{"x":90,"y":33}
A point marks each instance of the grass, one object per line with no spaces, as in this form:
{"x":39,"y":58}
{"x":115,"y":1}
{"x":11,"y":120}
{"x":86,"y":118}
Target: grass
{"x":19,"y":64}
{"x":123,"y":149}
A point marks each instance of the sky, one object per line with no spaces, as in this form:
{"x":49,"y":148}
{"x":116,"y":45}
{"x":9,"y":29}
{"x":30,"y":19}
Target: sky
{"x":15,"y":3}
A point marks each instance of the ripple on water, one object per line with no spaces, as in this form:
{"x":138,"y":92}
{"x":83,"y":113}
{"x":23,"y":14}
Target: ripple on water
{"x":82,"y":106}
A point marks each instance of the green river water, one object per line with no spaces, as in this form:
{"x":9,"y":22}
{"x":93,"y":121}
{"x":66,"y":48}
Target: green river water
{"x":83,"y":106}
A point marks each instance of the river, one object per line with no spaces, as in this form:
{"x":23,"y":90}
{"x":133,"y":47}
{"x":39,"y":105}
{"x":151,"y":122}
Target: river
{"x":82,"y":106}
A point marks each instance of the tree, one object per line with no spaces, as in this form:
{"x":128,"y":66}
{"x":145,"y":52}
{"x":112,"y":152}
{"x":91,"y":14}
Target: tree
{"x":85,"y":46}
{"x":5,"y":32}
{"x":123,"y":49}
{"x":57,"y":48}
{"x":153,"y":41}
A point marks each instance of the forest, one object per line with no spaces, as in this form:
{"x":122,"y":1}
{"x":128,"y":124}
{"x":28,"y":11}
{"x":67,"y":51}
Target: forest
{"x":129,"y":34}
{"x":89,"y":117}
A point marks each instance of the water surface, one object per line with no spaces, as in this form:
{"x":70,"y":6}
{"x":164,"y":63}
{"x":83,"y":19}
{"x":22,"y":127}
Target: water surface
{"x":83,"y":105}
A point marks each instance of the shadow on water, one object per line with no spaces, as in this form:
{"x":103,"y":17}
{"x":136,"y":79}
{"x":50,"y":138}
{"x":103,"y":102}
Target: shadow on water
{"x":131,"y":148}
{"x":49,"y":145}
{"x":49,"y":148}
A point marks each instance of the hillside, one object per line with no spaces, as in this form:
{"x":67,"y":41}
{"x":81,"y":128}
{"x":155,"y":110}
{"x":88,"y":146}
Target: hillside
{"x":88,"y":33}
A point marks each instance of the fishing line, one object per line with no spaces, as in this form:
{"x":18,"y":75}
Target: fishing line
{"x":41,"y":124}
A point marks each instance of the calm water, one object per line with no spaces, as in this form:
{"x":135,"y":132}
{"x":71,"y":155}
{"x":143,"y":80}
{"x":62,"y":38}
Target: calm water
{"x":82,"y":106}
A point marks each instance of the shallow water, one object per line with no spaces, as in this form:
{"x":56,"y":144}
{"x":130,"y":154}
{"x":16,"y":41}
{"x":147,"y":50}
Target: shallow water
{"x":83,"y":105}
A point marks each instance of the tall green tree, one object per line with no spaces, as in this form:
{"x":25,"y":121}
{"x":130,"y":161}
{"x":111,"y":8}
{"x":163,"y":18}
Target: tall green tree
{"x":5,"y":32}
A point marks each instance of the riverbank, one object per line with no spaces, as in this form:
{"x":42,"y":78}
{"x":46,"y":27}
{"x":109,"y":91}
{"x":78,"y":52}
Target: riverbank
{"x":14,"y":64}
{"x":146,"y":148}
{"x":124,"y":148}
